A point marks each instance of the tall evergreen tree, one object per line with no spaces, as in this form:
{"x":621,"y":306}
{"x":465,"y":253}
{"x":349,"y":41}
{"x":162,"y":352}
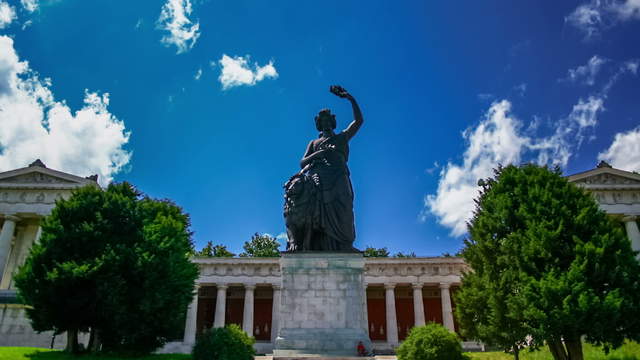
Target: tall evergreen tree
{"x":549,"y":263}
{"x":112,"y":262}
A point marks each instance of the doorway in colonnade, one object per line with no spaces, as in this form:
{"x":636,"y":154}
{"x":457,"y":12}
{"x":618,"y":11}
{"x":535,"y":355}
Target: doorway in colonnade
{"x":404,"y":310}
{"x":235,"y":305}
{"x":432,"y":304}
{"x":377,"y":314}
{"x":262,"y":313}
{"x":206,"y":308}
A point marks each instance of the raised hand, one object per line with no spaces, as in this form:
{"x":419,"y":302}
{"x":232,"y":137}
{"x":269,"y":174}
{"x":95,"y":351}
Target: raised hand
{"x":340,"y":92}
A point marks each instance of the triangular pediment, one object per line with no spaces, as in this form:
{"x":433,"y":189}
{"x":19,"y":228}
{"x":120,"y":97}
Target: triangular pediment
{"x":606,"y":176}
{"x":36,"y":176}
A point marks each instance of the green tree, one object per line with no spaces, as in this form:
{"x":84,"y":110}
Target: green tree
{"x":549,"y":263}
{"x":407,"y":255}
{"x":261,"y":246}
{"x":373,"y":252}
{"x":114,"y":263}
{"x":211,"y":250}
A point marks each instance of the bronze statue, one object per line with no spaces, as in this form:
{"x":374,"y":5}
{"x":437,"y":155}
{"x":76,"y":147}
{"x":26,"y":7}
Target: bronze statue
{"x":318,"y":207}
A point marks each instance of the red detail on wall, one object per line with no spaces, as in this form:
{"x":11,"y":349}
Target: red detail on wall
{"x":405,"y":316}
{"x":433,"y":310}
{"x":376,"y":310}
{"x":234,"y":312}
{"x":262,"y":319}
{"x":206,"y":311}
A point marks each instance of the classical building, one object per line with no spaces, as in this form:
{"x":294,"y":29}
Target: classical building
{"x":400,"y":292}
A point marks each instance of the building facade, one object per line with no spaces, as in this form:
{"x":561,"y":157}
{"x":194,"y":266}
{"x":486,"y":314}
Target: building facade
{"x":400,"y":292}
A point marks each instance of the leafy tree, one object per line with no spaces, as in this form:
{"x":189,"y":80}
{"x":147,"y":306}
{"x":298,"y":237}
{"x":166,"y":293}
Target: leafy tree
{"x":549,"y":263}
{"x":112,"y":262}
{"x":261,"y":246}
{"x":211,"y":250}
{"x":403,"y":255}
{"x":431,"y":342}
{"x":227,"y":343}
{"x":373,"y":252}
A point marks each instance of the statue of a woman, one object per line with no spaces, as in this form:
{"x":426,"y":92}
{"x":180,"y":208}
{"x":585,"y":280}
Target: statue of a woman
{"x":318,"y":206}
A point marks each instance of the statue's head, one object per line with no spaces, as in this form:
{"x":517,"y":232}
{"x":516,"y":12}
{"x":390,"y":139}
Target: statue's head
{"x":325,"y":120}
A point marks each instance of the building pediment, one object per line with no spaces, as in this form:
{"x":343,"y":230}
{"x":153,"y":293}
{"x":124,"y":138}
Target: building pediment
{"x":40,"y":177}
{"x":606,"y":178}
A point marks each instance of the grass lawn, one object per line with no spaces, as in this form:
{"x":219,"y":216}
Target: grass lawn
{"x":28,"y":353}
{"x":630,"y":351}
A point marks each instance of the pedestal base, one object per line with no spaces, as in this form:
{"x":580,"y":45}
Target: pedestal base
{"x":323,"y":305}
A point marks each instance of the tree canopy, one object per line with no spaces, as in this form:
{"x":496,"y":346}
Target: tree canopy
{"x":261,"y":245}
{"x":373,"y":252}
{"x":112,"y":262}
{"x":211,"y":250}
{"x":548,"y":263}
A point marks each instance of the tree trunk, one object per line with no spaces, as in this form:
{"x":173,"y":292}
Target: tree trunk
{"x":94,"y":341}
{"x":516,"y":352}
{"x":574,"y":348}
{"x":72,"y":341}
{"x":557,"y":350}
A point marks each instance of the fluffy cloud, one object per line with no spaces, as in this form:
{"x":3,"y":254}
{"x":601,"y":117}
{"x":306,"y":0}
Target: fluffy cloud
{"x":174,"y":19}
{"x":495,"y":140}
{"x":30,"y":5}
{"x":500,"y":138}
{"x":624,"y":152}
{"x":237,"y":72}
{"x":597,"y":15}
{"x":7,"y":14}
{"x":34,"y":125}
{"x":586,"y":74}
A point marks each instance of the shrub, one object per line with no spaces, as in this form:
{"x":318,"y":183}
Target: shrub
{"x":227,"y":343}
{"x":431,"y":342}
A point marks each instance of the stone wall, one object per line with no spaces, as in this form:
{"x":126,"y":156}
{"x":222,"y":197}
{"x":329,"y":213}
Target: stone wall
{"x":15,"y":330}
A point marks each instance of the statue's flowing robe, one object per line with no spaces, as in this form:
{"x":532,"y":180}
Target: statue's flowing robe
{"x":319,"y":200}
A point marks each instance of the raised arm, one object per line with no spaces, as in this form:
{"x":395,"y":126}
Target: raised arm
{"x":355,"y":125}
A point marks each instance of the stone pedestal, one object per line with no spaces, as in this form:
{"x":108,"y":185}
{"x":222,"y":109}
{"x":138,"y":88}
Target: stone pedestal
{"x":323,"y":305}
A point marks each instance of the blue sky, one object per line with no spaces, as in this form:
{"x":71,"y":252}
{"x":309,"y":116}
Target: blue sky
{"x":211,"y":103}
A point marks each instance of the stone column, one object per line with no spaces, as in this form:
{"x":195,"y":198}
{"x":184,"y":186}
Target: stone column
{"x":633,"y":232}
{"x":275,"y":313}
{"x":247,"y":314}
{"x":221,"y":305}
{"x":190,"y":323}
{"x":447,"y":312}
{"x":418,"y":305}
{"x":392,"y":322}
{"x":6,"y":235}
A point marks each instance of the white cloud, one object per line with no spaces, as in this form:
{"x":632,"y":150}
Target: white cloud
{"x":34,"y":125}
{"x":520,"y":89}
{"x":237,"y":72}
{"x":198,"y":74}
{"x":494,"y":141}
{"x":598,"y":15}
{"x":7,"y":14}
{"x":500,"y":138}
{"x":624,"y":152}
{"x":174,"y":19}
{"x":30,"y":5}
{"x":586,"y":74}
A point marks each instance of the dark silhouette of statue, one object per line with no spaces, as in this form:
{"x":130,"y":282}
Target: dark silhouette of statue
{"x":318,"y":207}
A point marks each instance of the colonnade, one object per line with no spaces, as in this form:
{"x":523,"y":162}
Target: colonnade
{"x":418,"y":309}
{"x":248,"y":310}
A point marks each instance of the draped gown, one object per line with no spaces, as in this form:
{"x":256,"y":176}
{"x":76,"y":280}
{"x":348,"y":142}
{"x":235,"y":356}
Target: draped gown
{"x":319,"y":200}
